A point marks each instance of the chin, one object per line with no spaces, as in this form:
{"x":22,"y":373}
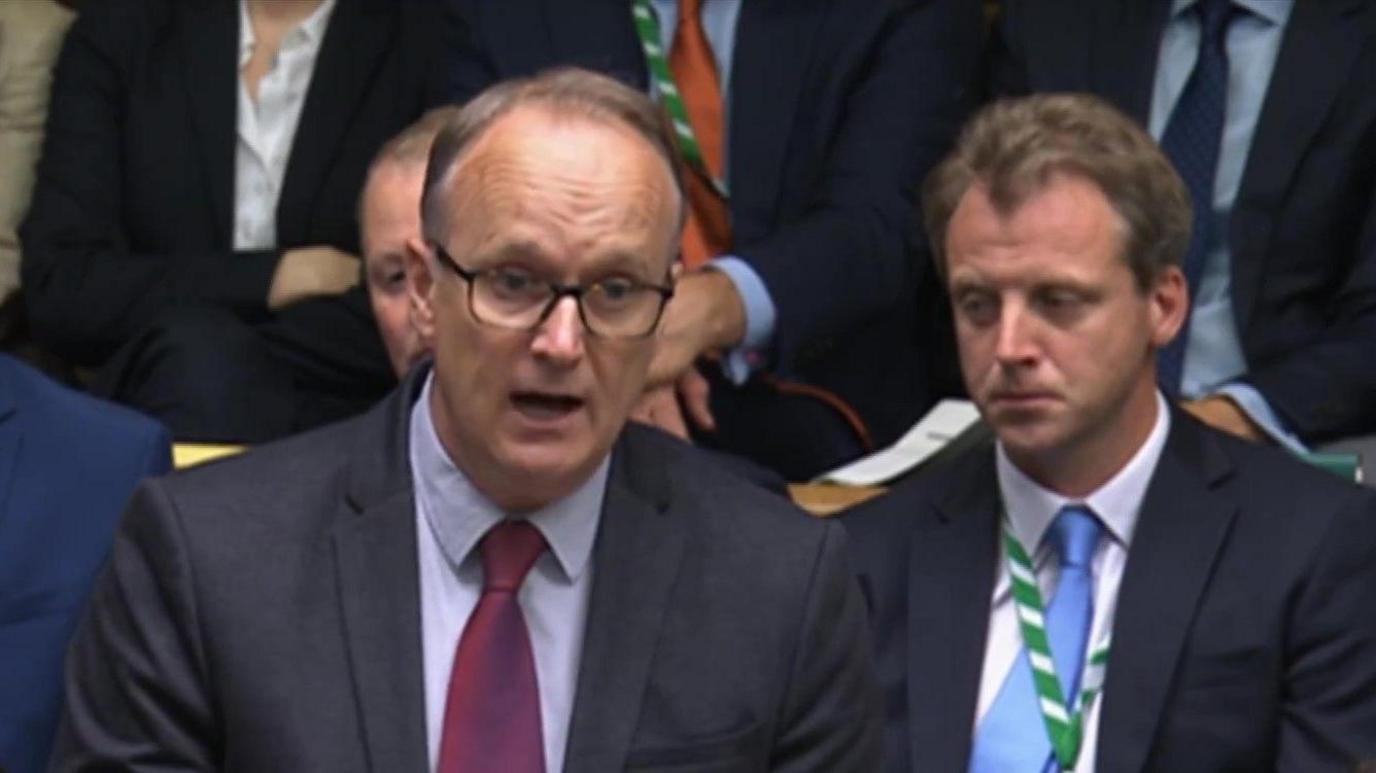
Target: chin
{"x":1029,"y":438}
{"x":549,"y":470}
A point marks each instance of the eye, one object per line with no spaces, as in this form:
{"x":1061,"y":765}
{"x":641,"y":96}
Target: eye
{"x":977,"y":308}
{"x":387,"y":276}
{"x":1060,"y":304}
{"x":511,"y":281}
{"x":616,"y":289}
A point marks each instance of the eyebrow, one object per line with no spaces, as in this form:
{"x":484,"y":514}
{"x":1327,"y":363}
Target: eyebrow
{"x":527,"y":249}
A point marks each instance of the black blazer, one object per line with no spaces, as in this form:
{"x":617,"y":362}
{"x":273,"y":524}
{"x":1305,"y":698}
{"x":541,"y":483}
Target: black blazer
{"x":837,"y":110}
{"x":1243,"y":638}
{"x":264,"y":614}
{"x":1303,"y":229}
{"x":133,"y":206}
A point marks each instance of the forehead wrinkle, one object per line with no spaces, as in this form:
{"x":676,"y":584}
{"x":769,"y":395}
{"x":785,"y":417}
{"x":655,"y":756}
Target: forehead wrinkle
{"x":500,"y":201}
{"x":514,"y":186}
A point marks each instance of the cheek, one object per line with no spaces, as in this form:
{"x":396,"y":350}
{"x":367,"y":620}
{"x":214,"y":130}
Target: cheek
{"x":621,"y":375}
{"x":393,"y":313}
{"x":975,"y":348}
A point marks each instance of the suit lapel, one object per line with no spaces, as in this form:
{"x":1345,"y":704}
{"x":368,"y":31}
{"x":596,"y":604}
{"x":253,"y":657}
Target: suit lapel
{"x":1316,"y":55}
{"x":1184,"y":521}
{"x":950,"y":584}
{"x":210,"y":37}
{"x":376,"y":562}
{"x":598,"y":35}
{"x":356,"y":39}
{"x":767,"y":73}
{"x":376,"y":570}
{"x":640,"y":545}
{"x":1125,"y":45}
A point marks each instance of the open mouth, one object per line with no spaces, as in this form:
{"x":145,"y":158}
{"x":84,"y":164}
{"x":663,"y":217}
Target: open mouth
{"x":545,"y":406}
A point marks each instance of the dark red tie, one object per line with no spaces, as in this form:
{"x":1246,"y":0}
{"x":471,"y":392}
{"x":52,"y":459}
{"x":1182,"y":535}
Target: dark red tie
{"x":492,"y":713}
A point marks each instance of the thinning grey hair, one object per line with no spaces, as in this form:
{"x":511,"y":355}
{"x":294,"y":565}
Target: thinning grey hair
{"x":565,"y":92}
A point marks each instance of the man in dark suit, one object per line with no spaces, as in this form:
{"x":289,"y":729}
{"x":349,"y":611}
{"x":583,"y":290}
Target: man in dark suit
{"x":1267,"y":107}
{"x":490,"y":572}
{"x":1113,"y":586}
{"x":182,"y":242}
{"x":67,"y":466}
{"x":827,"y":114}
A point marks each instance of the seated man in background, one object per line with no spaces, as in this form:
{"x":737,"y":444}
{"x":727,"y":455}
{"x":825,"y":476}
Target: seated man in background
{"x":67,"y":466}
{"x":389,"y":224}
{"x":490,"y":571}
{"x":795,"y":337}
{"x":1114,"y":585}
{"x":1267,"y":109}
{"x":193,"y":231}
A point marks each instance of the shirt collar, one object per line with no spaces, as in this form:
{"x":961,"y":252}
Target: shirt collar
{"x":1273,"y":11}
{"x":569,"y":525}
{"x":312,"y":29}
{"x":1117,"y":503}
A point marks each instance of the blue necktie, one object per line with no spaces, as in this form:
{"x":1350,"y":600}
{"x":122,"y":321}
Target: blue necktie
{"x":1191,"y":141}
{"x":1012,"y":738}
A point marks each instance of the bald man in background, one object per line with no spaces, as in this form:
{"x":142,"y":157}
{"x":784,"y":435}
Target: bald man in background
{"x":389,"y":218}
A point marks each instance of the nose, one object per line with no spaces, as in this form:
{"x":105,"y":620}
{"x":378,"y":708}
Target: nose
{"x":1016,"y":344}
{"x":560,"y":337}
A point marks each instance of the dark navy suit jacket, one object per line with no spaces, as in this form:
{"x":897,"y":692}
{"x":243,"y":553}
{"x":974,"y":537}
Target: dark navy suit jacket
{"x":1303,"y":229}
{"x":1243,"y":639}
{"x":67,"y":464}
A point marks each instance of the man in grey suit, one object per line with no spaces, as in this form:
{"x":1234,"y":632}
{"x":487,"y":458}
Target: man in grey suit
{"x":491,"y":570}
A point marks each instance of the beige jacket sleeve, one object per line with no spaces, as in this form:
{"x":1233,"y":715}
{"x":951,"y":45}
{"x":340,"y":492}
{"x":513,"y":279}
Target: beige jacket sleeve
{"x":31,"y":34}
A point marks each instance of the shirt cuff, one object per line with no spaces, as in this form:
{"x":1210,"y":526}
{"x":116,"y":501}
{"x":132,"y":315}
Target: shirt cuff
{"x":760,"y":315}
{"x":1260,"y":412}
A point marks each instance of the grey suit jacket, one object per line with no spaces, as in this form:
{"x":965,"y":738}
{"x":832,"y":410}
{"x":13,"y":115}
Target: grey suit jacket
{"x":262,"y":614}
{"x":1245,"y":631}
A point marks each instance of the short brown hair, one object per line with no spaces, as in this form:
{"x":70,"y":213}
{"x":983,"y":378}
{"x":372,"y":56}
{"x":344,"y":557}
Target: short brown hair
{"x":1014,"y":147}
{"x":566,"y":92}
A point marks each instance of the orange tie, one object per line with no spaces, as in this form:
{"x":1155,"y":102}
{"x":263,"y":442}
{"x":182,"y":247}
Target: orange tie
{"x":707,"y":232}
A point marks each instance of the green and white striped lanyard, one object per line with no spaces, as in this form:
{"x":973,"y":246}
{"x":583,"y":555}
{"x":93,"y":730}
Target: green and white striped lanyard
{"x":1064,"y":728}
{"x":647,"y":25}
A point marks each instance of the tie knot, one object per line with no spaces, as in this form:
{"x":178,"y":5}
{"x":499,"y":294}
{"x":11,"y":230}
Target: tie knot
{"x":509,"y":550}
{"x":689,"y":10}
{"x":1074,"y":534}
{"x":1214,"y":16}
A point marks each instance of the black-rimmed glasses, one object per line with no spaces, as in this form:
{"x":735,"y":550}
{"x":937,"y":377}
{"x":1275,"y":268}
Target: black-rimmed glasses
{"x":513,"y":298}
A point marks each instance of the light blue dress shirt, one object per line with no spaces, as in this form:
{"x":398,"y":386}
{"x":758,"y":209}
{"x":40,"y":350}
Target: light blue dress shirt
{"x":719,"y":22}
{"x":451,"y":518}
{"x":1213,"y":357}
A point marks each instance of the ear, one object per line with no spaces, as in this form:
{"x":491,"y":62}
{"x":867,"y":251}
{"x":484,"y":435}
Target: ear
{"x":1170,"y":305}
{"x":420,"y":287}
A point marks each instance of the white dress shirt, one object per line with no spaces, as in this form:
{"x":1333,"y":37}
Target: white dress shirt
{"x":451,"y":518}
{"x":267,"y":127}
{"x":1031,"y":509}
